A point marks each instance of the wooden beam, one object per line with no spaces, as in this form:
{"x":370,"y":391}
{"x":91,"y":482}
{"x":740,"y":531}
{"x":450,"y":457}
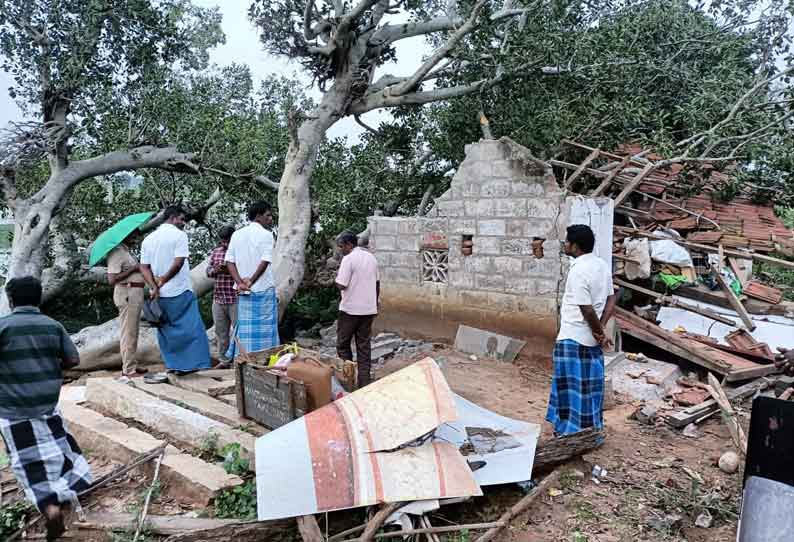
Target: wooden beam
{"x":590,"y":157}
{"x":608,"y":154}
{"x":635,"y":182}
{"x":609,"y":178}
{"x":672,"y":302}
{"x":670,"y":342}
{"x":706,"y":248}
{"x":733,"y":300}
{"x":735,"y":428}
{"x":157,"y":525}
{"x":752,"y":372}
{"x":684,"y":417}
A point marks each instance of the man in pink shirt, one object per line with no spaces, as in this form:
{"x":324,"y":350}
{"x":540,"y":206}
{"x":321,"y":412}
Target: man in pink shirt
{"x":358,"y":280}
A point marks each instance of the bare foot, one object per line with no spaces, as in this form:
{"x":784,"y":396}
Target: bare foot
{"x":54,"y":522}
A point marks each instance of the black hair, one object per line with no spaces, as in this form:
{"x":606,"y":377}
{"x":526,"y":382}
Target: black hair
{"x":581,"y":236}
{"x":347,"y":237}
{"x":258,"y":208}
{"x":171,"y":211}
{"x":226,"y":232}
{"x":24,"y":291}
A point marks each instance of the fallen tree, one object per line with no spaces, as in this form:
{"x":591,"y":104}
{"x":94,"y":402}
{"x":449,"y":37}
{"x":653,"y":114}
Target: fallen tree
{"x":99,"y":345}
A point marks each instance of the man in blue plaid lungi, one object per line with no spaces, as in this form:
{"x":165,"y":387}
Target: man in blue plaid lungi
{"x":45,"y":458}
{"x":248,"y":261}
{"x":577,"y":387}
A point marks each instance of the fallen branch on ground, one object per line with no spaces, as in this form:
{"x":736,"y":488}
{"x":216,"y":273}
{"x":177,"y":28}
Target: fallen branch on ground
{"x":145,"y":511}
{"x":521,"y":507}
{"x":309,"y":530}
{"x":377,"y":520}
{"x":449,"y":529}
{"x":737,"y":433}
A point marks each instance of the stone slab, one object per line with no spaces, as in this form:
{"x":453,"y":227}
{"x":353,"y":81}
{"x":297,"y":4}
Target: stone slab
{"x":188,"y":477}
{"x":202,"y":384}
{"x":203,"y":404}
{"x":488,"y":344}
{"x":180,"y":423}
{"x":654,"y":379}
{"x":230,"y":399}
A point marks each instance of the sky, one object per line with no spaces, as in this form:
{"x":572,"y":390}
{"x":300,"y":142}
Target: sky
{"x":243,"y":47}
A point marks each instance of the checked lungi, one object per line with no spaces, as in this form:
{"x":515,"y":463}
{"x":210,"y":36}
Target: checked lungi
{"x":257,"y":322}
{"x":577,"y":388}
{"x":46,"y":460}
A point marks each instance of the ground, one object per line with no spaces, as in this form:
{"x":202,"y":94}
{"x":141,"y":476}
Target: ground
{"x":646,"y":478}
{"x":657,"y":481}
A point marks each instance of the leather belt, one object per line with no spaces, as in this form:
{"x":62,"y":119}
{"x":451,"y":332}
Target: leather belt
{"x":134,"y":284}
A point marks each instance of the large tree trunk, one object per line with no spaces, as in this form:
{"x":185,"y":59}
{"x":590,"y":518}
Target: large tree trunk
{"x":31,"y":233}
{"x":99,"y":345}
{"x":294,"y":200}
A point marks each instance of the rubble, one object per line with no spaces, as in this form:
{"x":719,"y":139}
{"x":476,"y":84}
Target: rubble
{"x":729,"y":462}
{"x":384,"y":346}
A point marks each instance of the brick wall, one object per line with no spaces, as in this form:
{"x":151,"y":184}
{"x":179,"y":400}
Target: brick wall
{"x":503,"y":199}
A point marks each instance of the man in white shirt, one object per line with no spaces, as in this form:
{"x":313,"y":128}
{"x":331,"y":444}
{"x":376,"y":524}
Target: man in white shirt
{"x":164,"y":263}
{"x":248,"y":260}
{"x":577,"y":388}
{"x":358,"y":280}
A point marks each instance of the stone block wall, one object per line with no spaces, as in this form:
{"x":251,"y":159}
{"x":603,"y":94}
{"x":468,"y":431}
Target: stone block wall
{"x":502,"y":199}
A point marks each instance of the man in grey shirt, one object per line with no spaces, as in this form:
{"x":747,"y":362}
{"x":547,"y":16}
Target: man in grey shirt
{"x":45,"y":458}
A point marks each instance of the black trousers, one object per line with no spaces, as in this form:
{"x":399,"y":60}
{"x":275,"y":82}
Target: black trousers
{"x":351,"y":326}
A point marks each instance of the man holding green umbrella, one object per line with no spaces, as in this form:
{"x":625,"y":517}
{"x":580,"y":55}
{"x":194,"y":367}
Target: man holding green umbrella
{"x":128,"y":284}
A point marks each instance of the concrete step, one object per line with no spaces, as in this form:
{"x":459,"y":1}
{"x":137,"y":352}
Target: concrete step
{"x":187,"y":477}
{"x":202,"y":384}
{"x":230,"y":399}
{"x":183,"y":425}
{"x":210,"y":407}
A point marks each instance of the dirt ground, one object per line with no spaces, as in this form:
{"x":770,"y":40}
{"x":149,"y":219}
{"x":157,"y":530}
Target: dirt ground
{"x":658,"y":482}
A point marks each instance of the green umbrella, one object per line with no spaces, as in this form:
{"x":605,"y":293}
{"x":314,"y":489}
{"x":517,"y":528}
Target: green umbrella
{"x":113,"y":236}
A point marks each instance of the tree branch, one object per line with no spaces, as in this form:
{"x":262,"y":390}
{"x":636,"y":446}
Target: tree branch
{"x":396,"y":32}
{"x":699,"y":138}
{"x":413,"y":81}
{"x":147,"y":156}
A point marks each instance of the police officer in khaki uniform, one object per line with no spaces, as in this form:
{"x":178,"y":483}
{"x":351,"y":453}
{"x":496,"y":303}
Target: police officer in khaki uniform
{"x":128,"y":283}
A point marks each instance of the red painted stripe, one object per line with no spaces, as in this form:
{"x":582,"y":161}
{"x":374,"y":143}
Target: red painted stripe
{"x":332,"y":458}
{"x":376,"y":474}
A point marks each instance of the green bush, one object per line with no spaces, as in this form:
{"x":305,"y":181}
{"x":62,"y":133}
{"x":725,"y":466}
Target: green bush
{"x":13,"y":517}
{"x":237,"y":503}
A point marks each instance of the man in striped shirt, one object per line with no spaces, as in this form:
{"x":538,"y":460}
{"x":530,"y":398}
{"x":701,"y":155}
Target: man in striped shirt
{"x":34,"y":351}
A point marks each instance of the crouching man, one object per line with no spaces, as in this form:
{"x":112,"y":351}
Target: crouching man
{"x":34,"y":351}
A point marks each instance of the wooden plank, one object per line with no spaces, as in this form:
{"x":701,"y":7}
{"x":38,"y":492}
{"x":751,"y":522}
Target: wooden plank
{"x":706,"y":248}
{"x":733,"y":300}
{"x":684,"y":417}
{"x":590,"y":157}
{"x":609,"y":178}
{"x":751,"y":372}
{"x":635,"y":182}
